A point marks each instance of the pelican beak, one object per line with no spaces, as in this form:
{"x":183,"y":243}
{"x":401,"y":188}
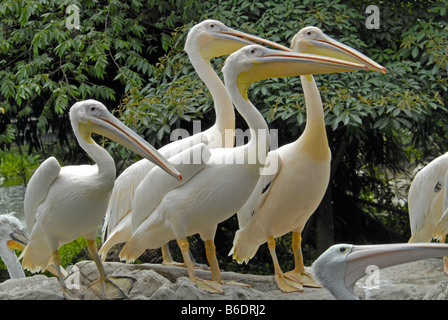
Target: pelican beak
{"x":386,"y":255}
{"x":228,"y":40}
{"x":19,"y":240}
{"x":109,"y":126}
{"x":326,"y":46}
{"x":275,"y":64}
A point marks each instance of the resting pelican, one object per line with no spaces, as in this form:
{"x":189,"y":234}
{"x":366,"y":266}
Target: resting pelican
{"x":61,"y":204}
{"x":13,"y":236}
{"x":206,"y":40}
{"x":284,"y":199}
{"x":338,"y":268}
{"x":428,"y":203}
{"x":225,"y":182}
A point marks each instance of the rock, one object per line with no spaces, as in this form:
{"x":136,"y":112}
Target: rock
{"x":38,"y":287}
{"x":416,"y":280}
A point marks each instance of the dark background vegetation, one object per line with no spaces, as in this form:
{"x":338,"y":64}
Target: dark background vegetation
{"x":129,"y":55}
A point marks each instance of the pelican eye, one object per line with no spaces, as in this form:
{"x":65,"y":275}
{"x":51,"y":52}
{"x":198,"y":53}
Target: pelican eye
{"x":212,"y":26}
{"x":342,"y":249}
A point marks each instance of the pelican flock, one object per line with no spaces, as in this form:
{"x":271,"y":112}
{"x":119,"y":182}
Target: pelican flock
{"x":205,"y":41}
{"x":191,"y":185}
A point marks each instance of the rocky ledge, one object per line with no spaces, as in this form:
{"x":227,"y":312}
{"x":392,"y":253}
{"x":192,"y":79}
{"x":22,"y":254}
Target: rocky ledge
{"x":416,"y":281}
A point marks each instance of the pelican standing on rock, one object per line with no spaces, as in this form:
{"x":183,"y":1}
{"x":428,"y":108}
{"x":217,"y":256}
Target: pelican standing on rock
{"x":205,"y":41}
{"x":62,"y":204}
{"x":284,"y":199}
{"x":428,"y":203}
{"x":225,"y":182}
{"x":13,"y":236}
{"x":338,"y":268}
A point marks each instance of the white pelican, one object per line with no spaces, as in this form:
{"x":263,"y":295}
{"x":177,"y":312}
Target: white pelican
{"x":62,"y":204}
{"x":13,"y":236}
{"x":428,"y":203}
{"x":338,"y":268}
{"x":206,"y":40}
{"x":284,"y":199}
{"x":217,"y":191}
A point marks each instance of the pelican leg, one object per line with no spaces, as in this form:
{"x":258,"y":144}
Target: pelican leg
{"x":168,"y":259}
{"x":283,"y":283}
{"x":210,"y":286}
{"x":108,"y":287}
{"x":299,"y":274}
{"x":210,"y":251}
{"x":57,"y":265}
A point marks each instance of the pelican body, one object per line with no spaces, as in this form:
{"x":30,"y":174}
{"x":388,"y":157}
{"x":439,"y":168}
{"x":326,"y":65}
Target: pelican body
{"x":205,"y":41}
{"x":283,"y":200}
{"x":64,"y":203}
{"x":223,"y":185}
{"x":338,"y":268}
{"x":428,"y":203}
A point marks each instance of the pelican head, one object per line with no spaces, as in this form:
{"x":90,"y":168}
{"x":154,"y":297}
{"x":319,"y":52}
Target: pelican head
{"x":313,"y":40}
{"x":91,"y":116}
{"x":254,"y":63}
{"x":12,"y":232}
{"x":215,"y":39}
{"x":338,"y":268}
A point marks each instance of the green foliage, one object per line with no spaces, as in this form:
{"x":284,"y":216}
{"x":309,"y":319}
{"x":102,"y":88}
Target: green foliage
{"x":17,"y":168}
{"x":46,"y":66}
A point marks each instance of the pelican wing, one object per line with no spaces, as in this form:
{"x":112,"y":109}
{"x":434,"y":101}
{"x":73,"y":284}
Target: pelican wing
{"x":38,"y":187}
{"x":120,"y":201}
{"x":157,"y":184}
{"x":262,"y":189}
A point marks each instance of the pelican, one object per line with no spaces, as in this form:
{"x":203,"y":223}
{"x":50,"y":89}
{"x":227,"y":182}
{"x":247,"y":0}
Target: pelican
{"x":338,"y":268}
{"x":428,"y":203}
{"x":227,"y":179}
{"x":285,"y":198}
{"x":62,"y":204}
{"x":13,"y":236}
{"x":206,"y":40}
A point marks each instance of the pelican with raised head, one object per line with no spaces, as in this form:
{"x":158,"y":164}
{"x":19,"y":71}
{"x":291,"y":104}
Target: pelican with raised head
{"x":287,"y":194}
{"x":215,"y":192}
{"x":205,"y":41}
{"x":428,"y":203}
{"x":13,"y":236}
{"x":62,"y":204}
{"x":338,"y":268}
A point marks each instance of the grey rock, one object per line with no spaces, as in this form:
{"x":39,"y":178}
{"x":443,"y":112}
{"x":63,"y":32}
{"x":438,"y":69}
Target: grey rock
{"x":417,"y":280}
